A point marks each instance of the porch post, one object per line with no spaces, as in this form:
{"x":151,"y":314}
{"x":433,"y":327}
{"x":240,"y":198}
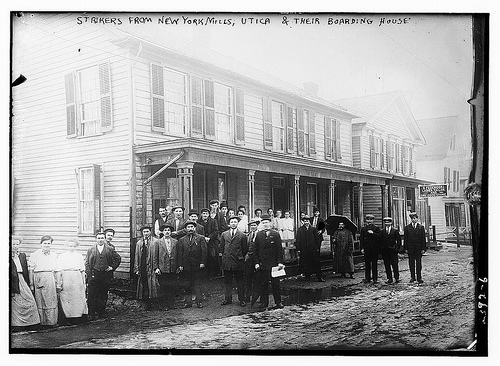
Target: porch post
{"x":331,"y":197}
{"x":360,"y":204}
{"x":383,"y":188}
{"x":251,"y":193}
{"x":185,"y":173}
{"x":297,"y":200}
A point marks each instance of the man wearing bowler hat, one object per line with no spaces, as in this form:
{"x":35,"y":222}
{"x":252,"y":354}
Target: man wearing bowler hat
{"x":192,"y":259}
{"x":147,"y":287}
{"x":414,"y":244}
{"x":211,"y":232}
{"x":308,"y":245}
{"x":193,"y":216}
{"x":391,"y":245}
{"x":369,"y":241}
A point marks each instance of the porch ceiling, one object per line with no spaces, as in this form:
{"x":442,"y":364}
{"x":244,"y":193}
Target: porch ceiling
{"x":212,"y":153}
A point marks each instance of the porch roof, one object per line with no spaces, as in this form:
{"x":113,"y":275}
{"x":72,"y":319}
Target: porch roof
{"x":212,"y":153}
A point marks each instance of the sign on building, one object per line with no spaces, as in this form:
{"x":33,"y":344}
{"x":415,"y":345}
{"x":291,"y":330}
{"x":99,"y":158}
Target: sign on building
{"x":433,"y":190}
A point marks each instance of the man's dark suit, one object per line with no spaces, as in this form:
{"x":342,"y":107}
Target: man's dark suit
{"x":233,"y":249}
{"x":391,"y":245}
{"x":370,"y":243}
{"x":414,"y":244}
{"x":98,"y":278}
{"x":267,"y":253}
{"x":191,"y":252}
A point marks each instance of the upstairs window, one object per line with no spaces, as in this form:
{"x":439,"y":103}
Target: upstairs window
{"x":391,"y":156}
{"x":175,"y":102}
{"x":375,"y":152}
{"x":278,"y":121}
{"x":88,"y":101}
{"x":332,"y":139}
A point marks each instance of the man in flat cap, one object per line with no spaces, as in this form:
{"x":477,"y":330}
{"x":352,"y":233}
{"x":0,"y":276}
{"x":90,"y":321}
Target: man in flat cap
{"x":211,"y":232}
{"x":369,"y":241}
{"x":109,"y":234}
{"x":194,"y":216}
{"x":192,"y":259}
{"x":249,"y":258}
{"x":234,"y":247}
{"x":100,"y":262}
{"x":391,"y":246}
{"x":414,"y":244}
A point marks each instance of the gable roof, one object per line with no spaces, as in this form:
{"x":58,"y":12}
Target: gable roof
{"x":370,"y":107}
{"x":437,"y":132}
{"x":157,"y":36}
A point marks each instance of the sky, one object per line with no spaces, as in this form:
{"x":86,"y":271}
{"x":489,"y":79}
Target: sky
{"x":428,"y":57}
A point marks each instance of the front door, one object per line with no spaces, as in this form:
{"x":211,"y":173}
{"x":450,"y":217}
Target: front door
{"x":280,"y":194}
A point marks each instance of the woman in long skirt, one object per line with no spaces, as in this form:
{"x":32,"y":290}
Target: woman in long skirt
{"x":42,"y":267}
{"x":24,"y":312}
{"x":71,"y":283}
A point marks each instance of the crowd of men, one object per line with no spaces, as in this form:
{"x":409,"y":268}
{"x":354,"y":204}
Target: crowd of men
{"x":173,"y":255}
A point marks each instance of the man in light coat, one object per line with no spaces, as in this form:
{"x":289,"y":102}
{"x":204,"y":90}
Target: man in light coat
{"x":165,"y":265}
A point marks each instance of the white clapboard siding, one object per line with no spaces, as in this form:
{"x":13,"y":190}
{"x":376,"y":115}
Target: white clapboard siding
{"x":391,"y":122}
{"x":44,"y":158}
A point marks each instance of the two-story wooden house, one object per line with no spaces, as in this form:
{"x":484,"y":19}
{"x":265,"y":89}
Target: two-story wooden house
{"x":112,"y":123}
{"x":385,"y":138}
{"x":445,"y":160}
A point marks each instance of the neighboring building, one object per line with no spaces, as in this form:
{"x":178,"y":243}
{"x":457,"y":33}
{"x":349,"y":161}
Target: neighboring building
{"x":110,"y":125}
{"x":385,"y":139}
{"x":444,"y":160}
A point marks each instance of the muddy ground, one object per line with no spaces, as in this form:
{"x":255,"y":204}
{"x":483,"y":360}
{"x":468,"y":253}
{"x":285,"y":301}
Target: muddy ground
{"x":336,"y":315}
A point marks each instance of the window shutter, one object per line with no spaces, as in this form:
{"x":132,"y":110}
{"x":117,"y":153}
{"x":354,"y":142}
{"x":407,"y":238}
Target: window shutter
{"x":410,"y":158}
{"x":69,"y":81}
{"x":97,"y":197}
{"x":157,"y":98}
{"x":240,"y":116}
{"x":105,"y":96}
{"x":328,"y":139}
{"x":389,"y":155}
{"x":289,"y":129}
{"x":338,"y":145}
{"x":383,"y":149}
{"x":209,"y":110}
{"x":300,"y":131}
{"x":405,"y":159}
{"x":312,"y":133}
{"x":268,"y":123}
{"x":372,"y":151}
{"x":197,"y":107}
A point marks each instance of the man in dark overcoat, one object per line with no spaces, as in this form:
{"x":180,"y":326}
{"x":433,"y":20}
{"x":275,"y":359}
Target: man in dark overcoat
{"x":233,"y":248}
{"x":268,"y":253}
{"x":369,"y":241}
{"x":343,"y":260}
{"x":211,"y":229}
{"x":414,"y":244}
{"x":391,"y":246}
{"x":100,"y":262}
{"x":308,"y":245}
{"x":192,"y":256}
{"x":165,"y":265}
{"x":249,"y":259}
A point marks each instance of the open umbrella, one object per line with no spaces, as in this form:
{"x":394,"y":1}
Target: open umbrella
{"x":332,"y":224}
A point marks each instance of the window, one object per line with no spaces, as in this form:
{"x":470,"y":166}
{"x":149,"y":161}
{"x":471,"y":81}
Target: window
{"x":391,"y":157}
{"x":375,"y":152}
{"x":456,"y":181}
{"x":306,"y":132}
{"x":406,"y":160}
{"x":447,"y":177}
{"x":89,"y":199}
{"x":332,"y":139}
{"x":175,"y":102}
{"x":88,"y":101}
{"x":212,"y":110}
{"x":278,"y":121}
{"x":398,"y":158}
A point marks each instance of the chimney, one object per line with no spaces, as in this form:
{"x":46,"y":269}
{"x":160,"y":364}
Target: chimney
{"x":311,"y":88}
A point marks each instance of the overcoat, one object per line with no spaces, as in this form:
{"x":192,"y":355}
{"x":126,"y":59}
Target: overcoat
{"x":343,"y":248}
{"x":152,"y":279}
{"x":192,"y":253}
{"x":414,"y":239}
{"x":367,"y":240}
{"x":268,"y":251}
{"x":308,"y":242}
{"x":233,"y":250}
{"x":164,"y":260}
